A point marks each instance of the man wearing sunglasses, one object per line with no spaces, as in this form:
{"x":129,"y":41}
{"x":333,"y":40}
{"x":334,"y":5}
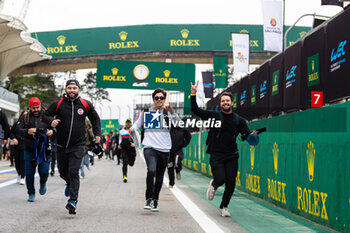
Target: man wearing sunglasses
{"x":157,"y":145}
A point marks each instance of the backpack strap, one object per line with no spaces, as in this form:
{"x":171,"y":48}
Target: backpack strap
{"x":85,"y":104}
{"x":58,"y":104}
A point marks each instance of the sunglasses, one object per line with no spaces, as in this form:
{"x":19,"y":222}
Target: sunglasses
{"x":159,"y":98}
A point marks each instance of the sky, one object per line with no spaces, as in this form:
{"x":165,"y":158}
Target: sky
{"x":52,"y":15}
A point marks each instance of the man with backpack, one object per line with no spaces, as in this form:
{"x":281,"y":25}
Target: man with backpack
{"x":157,"y":145}
{"x":222,"y":146}
{"x":37,"y":134}
{"x":70,"y":112}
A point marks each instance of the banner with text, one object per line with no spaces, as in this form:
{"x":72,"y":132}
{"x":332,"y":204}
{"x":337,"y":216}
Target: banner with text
{"x":240,"y":46}
{"x":273,"y":25}
{"x":220,"y":71}
{"x":208,"y":84}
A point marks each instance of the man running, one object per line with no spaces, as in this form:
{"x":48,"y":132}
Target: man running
{"x":36,"y":154}
{"x":127,"y":147}
{"x":70,"y":112}
{"x":157,"y":145}
{"x":222,"y":146}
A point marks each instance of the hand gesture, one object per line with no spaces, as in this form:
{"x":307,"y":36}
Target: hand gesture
{"x":168,"y":108}
{"x":132,"y":144}
{"x":194,"y":88}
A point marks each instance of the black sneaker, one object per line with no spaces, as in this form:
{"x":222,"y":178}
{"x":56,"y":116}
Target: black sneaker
{"x":154,"y":206}
{"x":148,"y":204}
{"x":52,"y":173}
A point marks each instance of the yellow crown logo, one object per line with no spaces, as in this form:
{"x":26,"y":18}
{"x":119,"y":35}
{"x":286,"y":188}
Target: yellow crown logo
{"x":252,"y":152}
{"x":313,"y":65}
{"x":184,"y":33}
{"x":115,"y":71}
{"x":166,"y":73}
{"x":123,"y":35}
{"x":220,"y":71}
{"x":195,"y":151}
{"x":275,"y":151}
{"x":244,"y":31}
{"x":301,"y":34}
{"x":61,"y":39}
{"x":310,"y":153}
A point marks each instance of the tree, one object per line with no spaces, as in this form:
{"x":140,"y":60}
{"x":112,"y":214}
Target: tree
{"x":39,"y":85}
{"x":94,"y":93}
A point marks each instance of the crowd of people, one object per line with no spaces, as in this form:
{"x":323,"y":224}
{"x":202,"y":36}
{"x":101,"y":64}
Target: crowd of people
{"x":62,"y":135}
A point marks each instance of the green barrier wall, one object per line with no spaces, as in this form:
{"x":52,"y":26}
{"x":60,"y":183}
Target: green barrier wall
{"x":301,"y":164}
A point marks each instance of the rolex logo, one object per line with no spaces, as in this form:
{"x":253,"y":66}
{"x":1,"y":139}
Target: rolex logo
{"x":313,"y":65}
{"x":115,"y":71}
{"x":275,"y":151}
{"x":123,"y":35}
{"x":220,"y":71}
{"x":301,"y":34}
{"x":184,"y":33}
{"x":61,"y":39}
{"x":310,"y":153}
{"x":166,"y":73}
{"x":252,"y":152}
{"x":244,"y":31}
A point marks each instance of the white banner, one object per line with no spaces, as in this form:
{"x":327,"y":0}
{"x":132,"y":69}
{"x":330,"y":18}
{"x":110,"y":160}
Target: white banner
{"x":273,"y":25}
{"x":240,"y":46}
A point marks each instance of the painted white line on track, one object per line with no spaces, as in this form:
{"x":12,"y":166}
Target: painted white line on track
{"x":7,"y":170}
{"x":7,"y":183}
{"x":197,"y":214}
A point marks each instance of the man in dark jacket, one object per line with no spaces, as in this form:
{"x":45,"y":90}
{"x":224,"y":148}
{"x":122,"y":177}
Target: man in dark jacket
{"x":4,"y":130}
{"x":17,"y":136}
{"x":36,"y":137}
{"x":180,"y":138}
{"x":222,"y":146}
{"x":70,"y":112}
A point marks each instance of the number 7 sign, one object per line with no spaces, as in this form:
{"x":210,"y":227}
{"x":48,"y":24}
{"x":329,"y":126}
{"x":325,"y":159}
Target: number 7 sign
{"x":316,"y":99}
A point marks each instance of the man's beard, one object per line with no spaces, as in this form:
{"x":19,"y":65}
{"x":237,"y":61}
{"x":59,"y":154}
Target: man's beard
{"x":74,"y":97}
{"x":226,"y":110}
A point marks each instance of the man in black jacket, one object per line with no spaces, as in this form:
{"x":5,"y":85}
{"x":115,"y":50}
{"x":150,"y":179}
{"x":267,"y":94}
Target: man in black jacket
{"x":180,"y":138}
{"x":17,"y":136}
{"x":36,"y":136}
{"x":222,"y":146}
{"x":70,"y":112}
{"x":4,"y":130}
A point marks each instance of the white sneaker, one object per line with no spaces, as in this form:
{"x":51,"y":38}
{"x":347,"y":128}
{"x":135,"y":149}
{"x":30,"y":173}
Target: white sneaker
{"x":224,"y":212}
{"x":18,"y":179}
{"x":22,"y":181}
{"x":211,"y":191}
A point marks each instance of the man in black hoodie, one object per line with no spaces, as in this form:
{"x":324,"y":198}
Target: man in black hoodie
{"x":70,"y":112}
{"x":222,"y":146}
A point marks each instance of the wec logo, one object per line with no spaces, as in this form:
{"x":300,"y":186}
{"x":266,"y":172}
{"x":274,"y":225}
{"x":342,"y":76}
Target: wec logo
{"x":336,"y":53}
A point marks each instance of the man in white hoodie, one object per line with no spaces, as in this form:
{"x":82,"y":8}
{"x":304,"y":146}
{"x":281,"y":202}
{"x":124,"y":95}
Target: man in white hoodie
{"x":157,"y":145}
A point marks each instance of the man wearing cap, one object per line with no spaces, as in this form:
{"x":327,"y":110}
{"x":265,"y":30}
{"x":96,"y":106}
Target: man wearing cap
{"x":222,"y":146}
{"x":36,"y":153}
{"x":70,"y":112}
{"x":127,"y":147}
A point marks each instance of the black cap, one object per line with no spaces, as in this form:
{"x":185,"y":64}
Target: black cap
{"x":73,"y":82}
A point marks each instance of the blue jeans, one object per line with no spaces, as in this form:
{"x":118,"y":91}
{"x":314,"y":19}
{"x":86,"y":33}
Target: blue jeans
{"x":85,"y":161}
{"x":156,"y":164}
{"x":30,"y":168}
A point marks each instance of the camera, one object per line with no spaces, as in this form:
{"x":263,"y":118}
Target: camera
{"x":40,"y":132}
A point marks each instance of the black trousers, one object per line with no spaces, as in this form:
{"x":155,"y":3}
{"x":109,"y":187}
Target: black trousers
{"x":19,"y":162}
{"x":68,"y":163}
{"x":53,"y":162}
{"x":224,"y":172}
{"x":174,"y":163}
{"x":156,"y":164}
{"x":125,"y":157}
